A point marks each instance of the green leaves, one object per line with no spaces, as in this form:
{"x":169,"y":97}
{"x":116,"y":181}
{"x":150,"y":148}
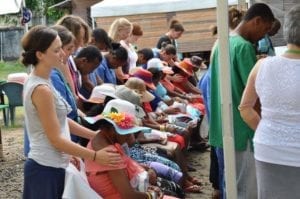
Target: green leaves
{"x":113,"y":110}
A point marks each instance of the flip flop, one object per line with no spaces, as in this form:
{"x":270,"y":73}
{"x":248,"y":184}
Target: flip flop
{"x":193,"y":189}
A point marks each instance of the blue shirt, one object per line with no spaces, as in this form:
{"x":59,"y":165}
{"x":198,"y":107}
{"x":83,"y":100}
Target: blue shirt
{"x":265,"y":46}
{"x":106,"y":73}
{"x":64,"y":90}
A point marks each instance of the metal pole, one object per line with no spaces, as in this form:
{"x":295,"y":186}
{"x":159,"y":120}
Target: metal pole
{"x":1,"y":48}
{"x":226,"y":100}
{"x":26,"y":24}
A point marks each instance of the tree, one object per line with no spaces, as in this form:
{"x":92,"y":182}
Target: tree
{"x":40,"y":8}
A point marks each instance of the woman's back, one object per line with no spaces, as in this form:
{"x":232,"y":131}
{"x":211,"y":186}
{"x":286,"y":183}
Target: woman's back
{"x":40,"y":148}
{"x":277,"y":84}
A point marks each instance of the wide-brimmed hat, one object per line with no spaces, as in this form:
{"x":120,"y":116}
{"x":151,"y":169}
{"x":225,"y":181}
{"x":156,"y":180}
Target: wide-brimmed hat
{"x":101,"y":91}
{"x":186,"y":66}
{"x":125,"y":93}
{"x":139,"y":86}
{"x":157,"y":64}
{"x":196,"y":61}
{"x":144,"y":75}
{"x":122,"y":115}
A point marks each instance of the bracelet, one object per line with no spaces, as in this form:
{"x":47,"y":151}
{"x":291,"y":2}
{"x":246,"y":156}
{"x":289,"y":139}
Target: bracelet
{"x":95,"y":154}
{"x":162,"y":128}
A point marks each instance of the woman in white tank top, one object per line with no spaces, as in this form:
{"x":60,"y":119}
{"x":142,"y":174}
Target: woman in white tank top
{"x":276,"y":81}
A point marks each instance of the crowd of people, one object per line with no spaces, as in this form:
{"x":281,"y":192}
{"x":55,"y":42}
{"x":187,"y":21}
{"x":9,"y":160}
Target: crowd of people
{"x":126,"y":117}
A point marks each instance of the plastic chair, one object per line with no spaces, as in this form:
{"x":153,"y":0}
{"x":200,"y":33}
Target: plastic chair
{"x":4,"y":107}
{"x":14,"y":93}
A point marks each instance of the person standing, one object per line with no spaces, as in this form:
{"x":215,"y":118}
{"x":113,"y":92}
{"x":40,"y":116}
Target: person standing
{"x":46,"y":120}
{"x":276,"y":139}
{"x":255,"y":24}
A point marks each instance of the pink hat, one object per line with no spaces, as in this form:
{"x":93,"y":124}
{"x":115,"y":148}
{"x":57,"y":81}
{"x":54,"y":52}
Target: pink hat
{"x":144,"y":75}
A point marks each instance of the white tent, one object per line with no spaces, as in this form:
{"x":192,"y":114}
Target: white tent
{"x":10,"y":6}
{"x":132,"y":7}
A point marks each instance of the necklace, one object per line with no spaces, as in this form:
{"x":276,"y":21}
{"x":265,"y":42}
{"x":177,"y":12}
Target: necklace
{"x":293,"y":51}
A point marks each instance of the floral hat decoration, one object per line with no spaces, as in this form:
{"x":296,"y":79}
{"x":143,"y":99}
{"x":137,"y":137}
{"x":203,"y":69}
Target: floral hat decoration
{"x":122,"y":115}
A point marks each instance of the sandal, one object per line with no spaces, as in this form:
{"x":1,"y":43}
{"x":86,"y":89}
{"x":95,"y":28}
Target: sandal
{"x":193,"y":189}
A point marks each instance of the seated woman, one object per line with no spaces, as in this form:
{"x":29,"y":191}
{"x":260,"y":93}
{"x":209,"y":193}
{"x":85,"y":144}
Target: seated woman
{"x":128,"y":180}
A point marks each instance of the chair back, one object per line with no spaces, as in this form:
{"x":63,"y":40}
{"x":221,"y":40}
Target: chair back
{"x":14,"y":93}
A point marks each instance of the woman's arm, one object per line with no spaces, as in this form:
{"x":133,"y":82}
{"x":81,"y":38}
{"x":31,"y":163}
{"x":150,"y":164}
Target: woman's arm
{"x":80,"y":130}
{"x":190,"y":88}
{"x":43,"y":100}
{"x":249,"y":99}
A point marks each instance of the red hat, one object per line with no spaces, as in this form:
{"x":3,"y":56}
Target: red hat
{"x":144,"y":75}
{"x":186,"y":65}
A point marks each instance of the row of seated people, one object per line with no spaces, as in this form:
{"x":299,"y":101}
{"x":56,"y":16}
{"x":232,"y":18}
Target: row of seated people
{"x":170,"y":105}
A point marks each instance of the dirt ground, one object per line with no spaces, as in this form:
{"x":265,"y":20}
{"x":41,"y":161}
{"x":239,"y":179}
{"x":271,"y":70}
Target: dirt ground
{"x":11,"y":167}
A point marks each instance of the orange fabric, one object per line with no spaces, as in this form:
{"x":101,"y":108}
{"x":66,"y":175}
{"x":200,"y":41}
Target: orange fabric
{"x":167,"y":84}
{"x":98,"y":176}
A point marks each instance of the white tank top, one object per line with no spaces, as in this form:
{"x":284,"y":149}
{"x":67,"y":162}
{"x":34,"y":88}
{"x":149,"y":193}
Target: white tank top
{"x":40,"y":148}
{"x":277,"y":138}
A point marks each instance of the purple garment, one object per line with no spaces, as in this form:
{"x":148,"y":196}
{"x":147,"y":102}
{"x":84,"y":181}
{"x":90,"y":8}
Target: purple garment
{"x":166,"y":172}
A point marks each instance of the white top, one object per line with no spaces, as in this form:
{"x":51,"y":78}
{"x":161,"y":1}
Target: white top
{"x":277,"y":137}
{"x":40,"y":148}
{"x":132,"y":55}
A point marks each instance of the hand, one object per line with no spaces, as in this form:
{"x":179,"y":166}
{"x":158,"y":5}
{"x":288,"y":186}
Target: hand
{"x":109,"y":156}
{"x":170,"y":128}
{"x":163,"y":141}
{"x":172,"y":110}
{"x":177,"y":78}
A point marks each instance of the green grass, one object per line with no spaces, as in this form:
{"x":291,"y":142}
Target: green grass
{"x":10,"y":67}
{"x":5,"y":69}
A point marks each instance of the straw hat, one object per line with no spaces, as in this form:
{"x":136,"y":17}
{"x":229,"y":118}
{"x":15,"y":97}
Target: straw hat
{"x":101,"y":91}
{"x":139,"y":86}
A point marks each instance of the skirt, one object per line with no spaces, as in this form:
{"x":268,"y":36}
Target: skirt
{"x":42,"y":181}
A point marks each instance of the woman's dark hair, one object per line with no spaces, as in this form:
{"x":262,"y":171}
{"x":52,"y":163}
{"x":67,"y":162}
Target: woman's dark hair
{"x":90,"y":53}
{"x":101,"y":36}
{"x":147,"y":53}
{"x":176,"y":25}
{"x":176,"y":70}
{"x":65,"y":35}
{"x":168,"y":48}
{"x":119,"y":52}
{"x":156,"y":73}
{"x":39,"y":38}
{"x":259,"y":10}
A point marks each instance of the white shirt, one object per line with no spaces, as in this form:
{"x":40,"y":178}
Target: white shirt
{"x":277,"y":137}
